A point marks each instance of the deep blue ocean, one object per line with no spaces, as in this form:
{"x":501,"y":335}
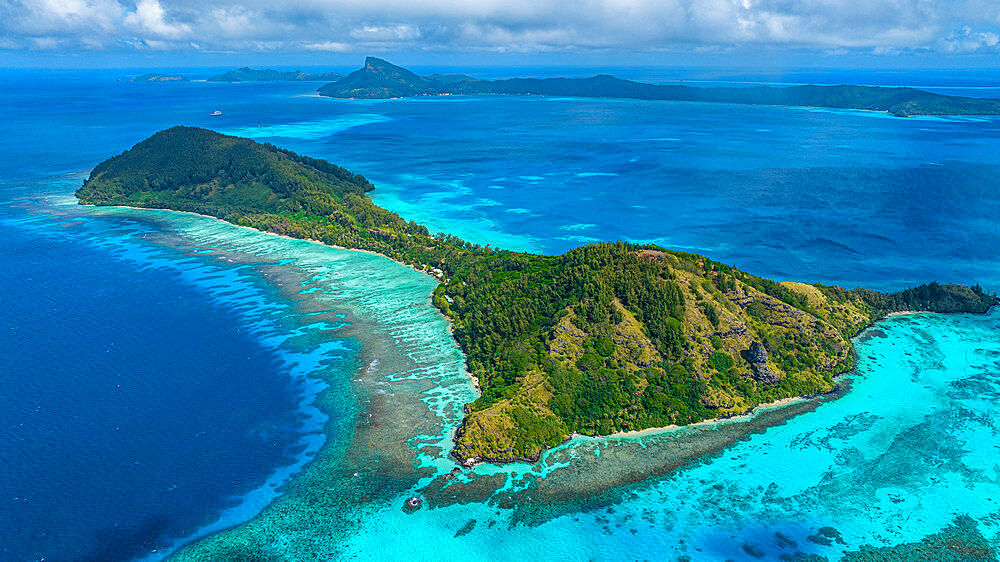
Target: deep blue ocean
{"x":122,"y":381}
{"x":148,"y":387}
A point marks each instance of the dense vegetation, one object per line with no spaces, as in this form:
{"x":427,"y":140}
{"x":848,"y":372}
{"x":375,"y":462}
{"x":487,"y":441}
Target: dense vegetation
{"x":604,"y":338}
{"x":247,"y":74}
{"x":265,"y":187}
{"x":380,"y":79}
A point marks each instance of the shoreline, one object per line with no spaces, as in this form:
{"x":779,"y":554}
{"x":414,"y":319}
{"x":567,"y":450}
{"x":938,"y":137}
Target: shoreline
{"x":903,"y":313}
{"x":598,"y":472}
{"x":734,"y":417}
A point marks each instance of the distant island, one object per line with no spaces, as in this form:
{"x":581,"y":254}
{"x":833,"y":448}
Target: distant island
{"x":153,"y":77}
{"x":247,"y":74}
{"x":379,"y":79}
{"x":605,"y":338}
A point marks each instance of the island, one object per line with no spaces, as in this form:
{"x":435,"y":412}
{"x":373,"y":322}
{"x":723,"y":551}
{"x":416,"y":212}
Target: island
{"x":606,"y":338}
{"x":247,"y":74}
{"x":379,"y":79}
{"x":155,"y":77}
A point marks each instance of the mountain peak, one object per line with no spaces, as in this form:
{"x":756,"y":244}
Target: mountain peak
{"x":378,"y":79}
{"x":385,"y":68}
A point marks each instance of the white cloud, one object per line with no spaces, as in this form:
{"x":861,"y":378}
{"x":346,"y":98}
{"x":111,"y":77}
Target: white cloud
{"x":966,"y":40}
{"x":40,"y":18}
{"x":234,"y":21}
{"x":386,"y":33}
{"x":328,"y":46}
{"x":884,"y":26}
{"x":149,"y":17}
{"x":44,"y":43}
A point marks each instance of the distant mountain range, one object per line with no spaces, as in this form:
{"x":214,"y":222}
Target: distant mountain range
{"x":379,"y":79}
{"x":247,"y":74}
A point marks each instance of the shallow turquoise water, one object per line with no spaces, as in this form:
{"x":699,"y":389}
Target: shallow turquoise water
{"x":797,"y":194}
{"x":913,"y":445}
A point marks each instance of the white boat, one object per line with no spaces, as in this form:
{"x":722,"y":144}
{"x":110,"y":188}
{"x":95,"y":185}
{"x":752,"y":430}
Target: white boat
{"x":216,"y":112}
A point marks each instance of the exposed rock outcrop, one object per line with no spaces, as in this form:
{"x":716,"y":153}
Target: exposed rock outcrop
{"x":756,"y":356}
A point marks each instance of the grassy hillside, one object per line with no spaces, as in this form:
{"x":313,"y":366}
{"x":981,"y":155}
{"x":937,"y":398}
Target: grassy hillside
{"x":619,"y":337}
{"x":606,"y":337}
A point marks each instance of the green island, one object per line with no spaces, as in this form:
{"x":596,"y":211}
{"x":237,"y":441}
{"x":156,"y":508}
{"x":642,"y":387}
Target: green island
{"x":379,"y":79}
{"x":157,"y":77}
{"x":247,"y":74}
{"x":605,"y":338}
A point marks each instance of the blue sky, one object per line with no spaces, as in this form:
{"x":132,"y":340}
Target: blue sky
{"x":593,"y":33}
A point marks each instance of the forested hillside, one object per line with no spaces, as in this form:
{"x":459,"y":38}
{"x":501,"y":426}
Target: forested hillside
{"x":606,"y":337}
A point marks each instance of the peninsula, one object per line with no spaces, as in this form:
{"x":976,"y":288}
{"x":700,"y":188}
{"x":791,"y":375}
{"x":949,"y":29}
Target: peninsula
{"x":379,"y":79}
{"x":607,"y":337}
{"x":247,"y":74}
